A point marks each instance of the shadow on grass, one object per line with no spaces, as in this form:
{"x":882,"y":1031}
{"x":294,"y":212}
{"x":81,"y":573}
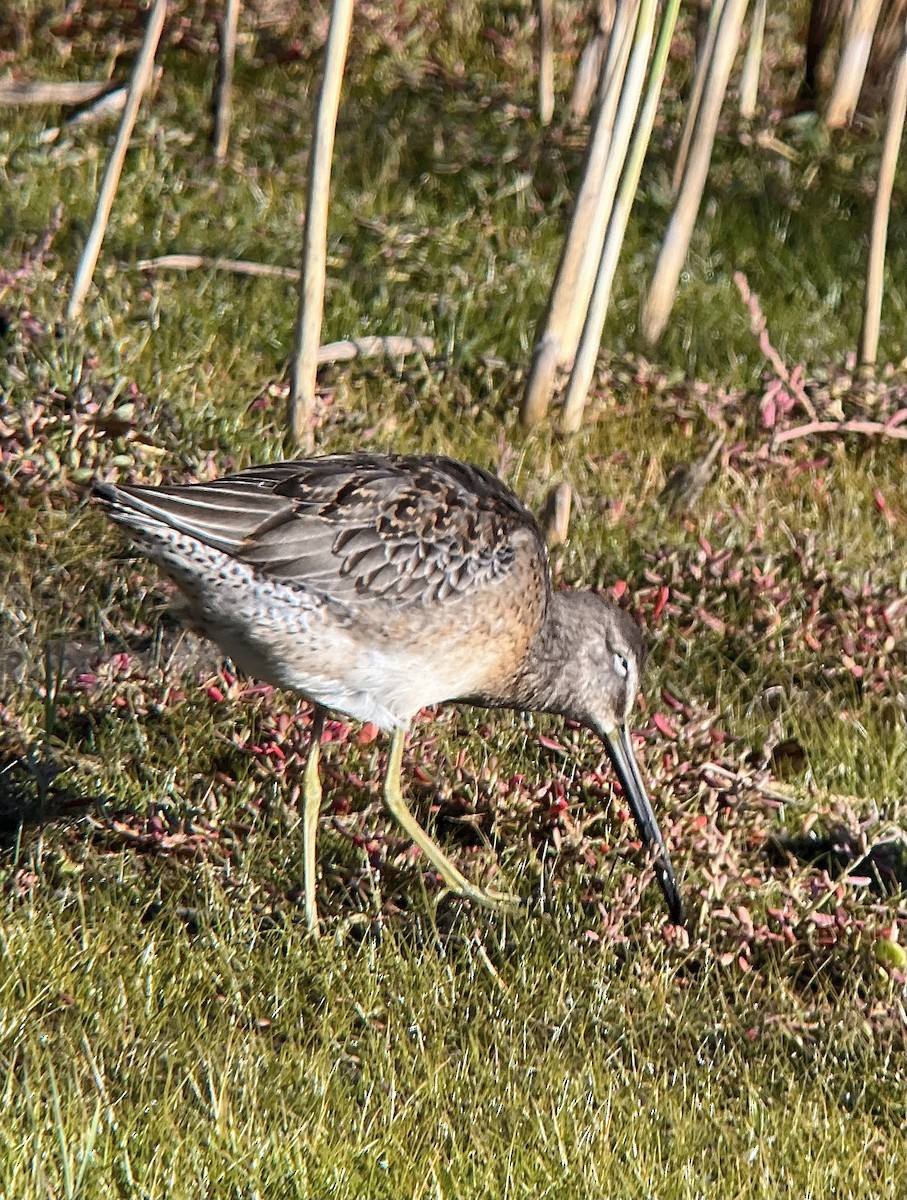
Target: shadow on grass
{"x":29,"y":796}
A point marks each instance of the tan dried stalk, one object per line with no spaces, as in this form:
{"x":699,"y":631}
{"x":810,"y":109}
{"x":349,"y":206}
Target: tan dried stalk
{"x":702,"y":69}
{"x":855,"y":47}
{"x":314,"y":257}
{"x":546,"y":60}
{"x":674,"y":249}
{"x":223,"y":90}
{"x":587,"y":227}
{"x":752,"y":62}
{"x":584,"y":366}
{"x":894,"y":129}
{"x":141,"y":76}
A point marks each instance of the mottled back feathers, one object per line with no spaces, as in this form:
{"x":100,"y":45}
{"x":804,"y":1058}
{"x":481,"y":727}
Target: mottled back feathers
{"x":417,"y":530}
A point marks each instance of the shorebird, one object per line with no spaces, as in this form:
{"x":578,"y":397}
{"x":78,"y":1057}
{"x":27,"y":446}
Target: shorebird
{"x":376,"y":585}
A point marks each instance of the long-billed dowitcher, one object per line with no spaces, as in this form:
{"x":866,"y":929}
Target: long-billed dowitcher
{"x":377,"y":585}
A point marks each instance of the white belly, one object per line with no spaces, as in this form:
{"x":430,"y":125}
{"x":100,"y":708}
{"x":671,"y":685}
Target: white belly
{"x":292,"y":638}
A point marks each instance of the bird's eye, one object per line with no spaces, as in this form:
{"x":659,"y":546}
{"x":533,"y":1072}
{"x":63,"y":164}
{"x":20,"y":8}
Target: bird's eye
{"x":621,"y":666}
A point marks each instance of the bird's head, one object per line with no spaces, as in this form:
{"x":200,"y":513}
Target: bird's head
{"x":605,"y":653}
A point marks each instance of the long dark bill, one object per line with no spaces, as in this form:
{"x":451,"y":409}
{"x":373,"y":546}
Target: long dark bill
{"x":620,"y":751}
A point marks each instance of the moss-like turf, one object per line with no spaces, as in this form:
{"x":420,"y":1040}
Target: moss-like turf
{"x":167,"y":1029}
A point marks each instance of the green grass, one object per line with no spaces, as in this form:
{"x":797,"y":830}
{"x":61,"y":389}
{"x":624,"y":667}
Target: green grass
{"x":167,"y":1029}
{"x":238,"y":1059}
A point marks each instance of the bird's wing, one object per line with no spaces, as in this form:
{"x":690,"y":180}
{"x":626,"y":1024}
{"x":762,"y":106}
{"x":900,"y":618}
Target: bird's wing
{"x":410,"y":528}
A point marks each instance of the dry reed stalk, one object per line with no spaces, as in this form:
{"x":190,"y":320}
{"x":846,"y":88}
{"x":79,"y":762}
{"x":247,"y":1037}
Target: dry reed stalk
{"x":886,"y":46}
{"x":307,"y":337}
{"x":894,"y":129}
{"x":584,"y":366}
{"x":141,"y":76}
{"x":239,"y":266}
{"x":702,"y":68}
{"x":391,"y":346}
{"x":752,"y":61}
{"x":223,"y":88}
{"x":546,"y":60}
{"x":102,"y":109}
{"x":660,"y":299}
{"x":621,"y":133}
{"x":39,"y":91}
{"x":855,"y":47}
{"x":588,"y":74}
{"x":556,"y":514}
{"x":550,"y":349}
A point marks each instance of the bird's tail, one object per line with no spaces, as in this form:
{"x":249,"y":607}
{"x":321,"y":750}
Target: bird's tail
{"x":156,"y":516}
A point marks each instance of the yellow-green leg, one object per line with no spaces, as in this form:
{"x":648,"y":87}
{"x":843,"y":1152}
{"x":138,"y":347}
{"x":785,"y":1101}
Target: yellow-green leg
{"x":311,"y":791}
{"x":393,"y":798}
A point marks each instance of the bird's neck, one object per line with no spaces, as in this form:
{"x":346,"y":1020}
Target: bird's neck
{"x":543,"y":682}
